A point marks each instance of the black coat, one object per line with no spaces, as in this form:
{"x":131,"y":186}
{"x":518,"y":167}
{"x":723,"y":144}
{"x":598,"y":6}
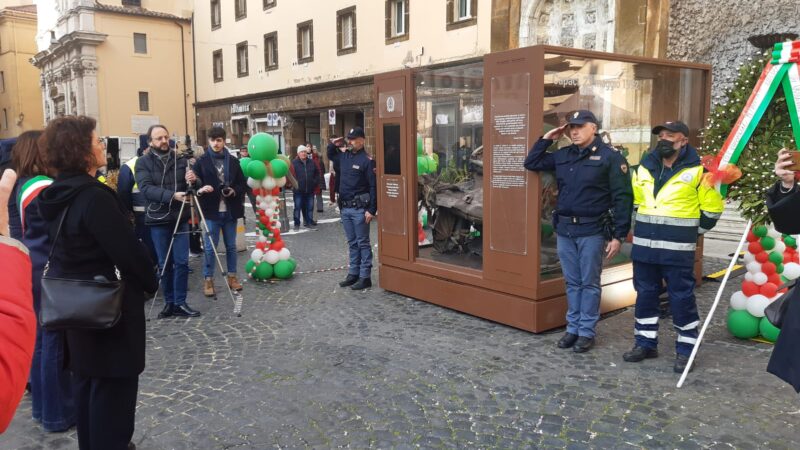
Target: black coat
{"x":784,"y":210}
{"x":306,"y":172}
{"x":158,"y":183}
{"x":96,"y":236}
{"x":206,"y":173}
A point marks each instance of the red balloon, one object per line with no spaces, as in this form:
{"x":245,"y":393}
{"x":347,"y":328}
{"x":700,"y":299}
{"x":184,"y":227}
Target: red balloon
{"x":277,"y":233}
{"x":769,"y":268}
{"x":755,"y":248}
{"x":751,"y":237}
{"x":769,"y":290}
{"x":762,"y":257}
{"x":749,"y":288}
{"x":787,"y":258}
{"x":261,"y":245}
{"x":775,"y":279}
{"x":264,"y":220}
{"x":276,"y":191}
{"x":277,"y":246}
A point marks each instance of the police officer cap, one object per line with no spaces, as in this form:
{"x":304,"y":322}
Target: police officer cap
{"x":581,"y":117}
{"x":676,"y":126}
{"x":356,"y":132}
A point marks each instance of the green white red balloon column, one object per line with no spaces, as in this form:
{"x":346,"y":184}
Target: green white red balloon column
{"x":771,"y":260}
{"x":266,"y":175}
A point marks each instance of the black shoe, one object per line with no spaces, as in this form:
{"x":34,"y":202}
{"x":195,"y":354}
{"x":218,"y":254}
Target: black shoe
{"x":349,"y":281}
{"x":638,"y":354}
{"x":168,"y":311}
{"x":583,"y":344}
{"x":363,"y":283}
{"x":680,"y":363}
{"x":567,"y":341}
{"x":185,"y":311}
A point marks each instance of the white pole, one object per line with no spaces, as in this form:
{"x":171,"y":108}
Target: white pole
{"x":716,"y":302}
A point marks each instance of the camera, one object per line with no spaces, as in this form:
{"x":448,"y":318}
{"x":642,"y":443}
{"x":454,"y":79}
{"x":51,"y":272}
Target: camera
{"x":226,"y":189}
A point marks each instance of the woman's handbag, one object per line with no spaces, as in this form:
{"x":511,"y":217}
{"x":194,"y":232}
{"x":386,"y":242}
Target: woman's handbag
{"x":71,"y":304}
{"x":776,"y":311}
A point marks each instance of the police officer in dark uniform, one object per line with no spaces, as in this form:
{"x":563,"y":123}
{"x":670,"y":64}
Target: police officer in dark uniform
{"x":358,"y":204}
{"x":594,"y":194}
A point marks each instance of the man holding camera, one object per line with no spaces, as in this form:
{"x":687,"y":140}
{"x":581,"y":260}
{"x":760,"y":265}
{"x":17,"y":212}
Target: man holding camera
{"x":674,"y":205}
{"x":358,"y":203}
{"x":592,"y":180}
{"x":221,"y":199}
{"x":162,"y":178}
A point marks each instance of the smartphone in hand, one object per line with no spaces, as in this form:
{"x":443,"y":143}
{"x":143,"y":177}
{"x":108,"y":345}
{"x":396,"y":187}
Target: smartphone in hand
{"x":795,"y":161}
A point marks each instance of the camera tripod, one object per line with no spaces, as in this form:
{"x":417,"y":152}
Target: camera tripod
{"x":194,"y":207}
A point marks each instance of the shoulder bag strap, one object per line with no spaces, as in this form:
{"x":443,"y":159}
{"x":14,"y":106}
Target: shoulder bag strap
{"x":55,"y":239}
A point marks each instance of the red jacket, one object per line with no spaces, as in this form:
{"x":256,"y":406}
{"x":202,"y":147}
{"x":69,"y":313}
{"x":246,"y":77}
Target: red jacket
{"x":17,"y":326}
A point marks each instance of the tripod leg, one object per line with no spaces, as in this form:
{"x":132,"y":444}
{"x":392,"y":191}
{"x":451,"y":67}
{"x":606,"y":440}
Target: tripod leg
{"x":166,"y":260}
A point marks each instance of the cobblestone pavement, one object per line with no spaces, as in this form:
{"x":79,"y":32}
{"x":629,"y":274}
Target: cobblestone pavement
{"x":313,"y":365}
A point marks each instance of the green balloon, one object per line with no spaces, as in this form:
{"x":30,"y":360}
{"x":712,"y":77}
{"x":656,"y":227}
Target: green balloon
{"x":263,"y":271}
{"x":775,"y":257}
{"x":742,"y":324}
{"x":249,"y":266}
{"x":768,"y":330}
{"x":760,"y":231}
{"x":262,"y":147}
{"x":433,"y":164}
{"x":243,"y":163}
{"x":256,"y":170}
{"x":279,"y":168}
{"x":790,"y":241}
{"x":768,"y":243}
{"x":779,"y":268}
{"x":294,"y":263}
{"x":283,"y":269}
{"x":422,"y":165}
{"x":420,"y":147}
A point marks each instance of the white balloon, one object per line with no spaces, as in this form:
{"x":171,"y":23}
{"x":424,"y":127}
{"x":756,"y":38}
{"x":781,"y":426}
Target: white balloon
{"x":268,"y":183}
{"x":780,"y":247}
{"x":268,"y":198}
{"x":772,"y":232}
{"x":262,"y":206}
{"x":259,"y":199}
{"x":276,"y":224}
{"x":738,"y":300}
{"x":760,"y":278}
{"x":754,"y":267}
{"x":272,"y":257}
{"x":254,"y":184}
{"x":791,"y":271}
{"x":281,"y":182}
{"x":270,"y":212}
{"x":262,"y":238}
{"x":748,"y":276}
{"x":756,"y":305}
{"x":257,"y":255}
{"x":285,"y":254}
{"x":749,"y":257}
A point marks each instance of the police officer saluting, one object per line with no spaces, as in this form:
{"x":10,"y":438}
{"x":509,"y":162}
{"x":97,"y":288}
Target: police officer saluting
{"x":593,"y":181}
{"x":358,"y":204}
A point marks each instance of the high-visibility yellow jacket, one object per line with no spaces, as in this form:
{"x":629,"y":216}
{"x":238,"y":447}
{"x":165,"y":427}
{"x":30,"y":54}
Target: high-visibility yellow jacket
{"x":673,"y":205}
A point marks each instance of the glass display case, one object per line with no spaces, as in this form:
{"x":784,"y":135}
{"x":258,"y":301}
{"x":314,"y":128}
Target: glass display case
{"x":461,"y":222}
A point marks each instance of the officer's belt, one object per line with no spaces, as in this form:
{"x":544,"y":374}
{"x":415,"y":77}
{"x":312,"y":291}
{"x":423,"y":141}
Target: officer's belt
{"x":353,"y":204}
{"x":578,"y":220}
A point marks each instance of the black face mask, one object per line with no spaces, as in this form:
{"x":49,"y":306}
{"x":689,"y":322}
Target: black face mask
{"x":664,"y":149}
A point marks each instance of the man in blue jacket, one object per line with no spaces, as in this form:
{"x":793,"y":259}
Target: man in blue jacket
{"x":306,"y":172}
{"x":221,"y":197}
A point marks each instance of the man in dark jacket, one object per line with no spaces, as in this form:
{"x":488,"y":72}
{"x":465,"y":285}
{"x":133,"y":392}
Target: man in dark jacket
{"x":161,"y":177}
{"x":307,"y":175}
{"x":221,"y":199}
{"x":134,"y":202}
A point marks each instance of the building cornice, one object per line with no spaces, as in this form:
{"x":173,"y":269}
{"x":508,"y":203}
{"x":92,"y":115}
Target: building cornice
{"x":135,"y":11}
{"x":8,"y":14}
{"x":65,"y":43}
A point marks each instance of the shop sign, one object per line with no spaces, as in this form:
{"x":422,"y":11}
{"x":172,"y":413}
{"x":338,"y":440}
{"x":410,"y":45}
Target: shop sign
{"x":239,"y":109}
{"x":218,"y":124}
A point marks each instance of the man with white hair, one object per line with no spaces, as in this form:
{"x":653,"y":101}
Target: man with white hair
{"x":306,"y":174}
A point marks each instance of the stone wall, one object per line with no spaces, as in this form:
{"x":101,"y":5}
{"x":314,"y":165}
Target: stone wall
{"x":716,"y":32}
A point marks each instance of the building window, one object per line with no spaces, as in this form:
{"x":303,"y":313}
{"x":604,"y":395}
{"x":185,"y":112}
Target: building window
{"x":461,"y":13}
{"x":131,"y":2}
{"x":241,"y":59}
{"x":305,"y":42}
{"x":216,"y":15}
{"x":217,"y":56}
{"x":271,"y":51}
{"x":241,"y":9}
{"x":5,"y":119}
{"x":397,"y":24}
{"x":140,"y":43}
{"x":2,"y":81}
{"x":270,"y":4}
{"x":346,"y":31}
{"x":144,"y":101}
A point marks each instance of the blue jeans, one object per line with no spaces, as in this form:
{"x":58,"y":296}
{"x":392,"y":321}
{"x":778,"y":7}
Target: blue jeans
{"x":53,"y":403}
{"x":175,"y":280}
{"x":357,"y":231}
{"x":582,"y":262}
{"x":227,"y":225}
{"x":647,"y":280}
{"x":303,"y":203}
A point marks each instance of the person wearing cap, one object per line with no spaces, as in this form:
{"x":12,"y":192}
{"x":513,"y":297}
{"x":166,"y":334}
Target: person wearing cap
{"x":674,"y":205}
{"x":306,"y":172}
{"x":594,"y":188}
{"x":358,"y":204}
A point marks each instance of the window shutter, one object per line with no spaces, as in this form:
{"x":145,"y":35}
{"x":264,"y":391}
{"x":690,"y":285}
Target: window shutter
{"x":450,"y":11}
{"x":339,"y":37}
{"x":275,"y":50}
{"x":354,"y":29}
{"x":299,"y":44}
{"x":311,"y":41}
{"x":473,"y":8}
{"x":388,"y":19}
{"x":407,"y":24}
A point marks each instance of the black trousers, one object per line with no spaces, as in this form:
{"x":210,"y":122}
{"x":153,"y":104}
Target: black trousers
{"x":106,"y":411}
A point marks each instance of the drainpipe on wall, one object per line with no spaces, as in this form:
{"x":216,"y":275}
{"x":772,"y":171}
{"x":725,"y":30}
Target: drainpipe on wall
{"x":183,"y":77}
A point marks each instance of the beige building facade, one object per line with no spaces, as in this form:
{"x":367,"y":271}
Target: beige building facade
{"x":20,"y":95}
{"x":127,"y":63}
{"x":271,"y":65}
